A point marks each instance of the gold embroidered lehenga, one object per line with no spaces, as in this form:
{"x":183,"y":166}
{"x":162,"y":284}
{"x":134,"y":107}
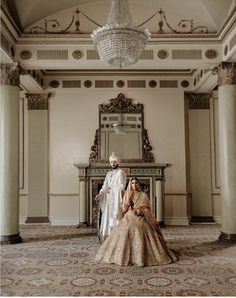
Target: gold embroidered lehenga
{"x":136,"y":240}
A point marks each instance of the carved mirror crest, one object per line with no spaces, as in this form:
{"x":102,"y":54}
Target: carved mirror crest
{"x":121,"y":130}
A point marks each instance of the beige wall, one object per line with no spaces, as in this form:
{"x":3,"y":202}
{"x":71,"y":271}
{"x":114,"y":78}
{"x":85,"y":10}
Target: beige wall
{"x":73,"y":119}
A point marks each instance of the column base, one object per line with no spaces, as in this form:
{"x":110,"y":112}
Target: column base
{"x":229,"y":238}
{"x":82,"y":225}
{"x":11,"y":239}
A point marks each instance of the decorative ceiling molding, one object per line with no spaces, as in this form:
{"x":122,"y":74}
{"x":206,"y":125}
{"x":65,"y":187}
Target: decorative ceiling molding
{"x":53,"y":26}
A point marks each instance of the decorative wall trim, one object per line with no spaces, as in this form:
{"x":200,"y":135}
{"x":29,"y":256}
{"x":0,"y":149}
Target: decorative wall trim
{"x":179,"y":221}
{"x":186,"y":54}
{"x":71,"y":84}
{"x":37,"y":219}
{"x":103,"y":84}
{"x":136,"y":84}
{"x":25,"y":55}
{"x":38,"y":101}
{"x":52,"y":55}
{"x":92,"y":55}
{"x":199,"y":101}
{"x":63,"y":194}
{"x":211,"y":54}
{"x":64,"y":221}
{"x":168,"y":84}
{"x":147,"y":55}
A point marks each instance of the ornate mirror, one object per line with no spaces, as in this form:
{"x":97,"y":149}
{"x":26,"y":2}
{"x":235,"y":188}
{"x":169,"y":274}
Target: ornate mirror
{"x":121,"y":131}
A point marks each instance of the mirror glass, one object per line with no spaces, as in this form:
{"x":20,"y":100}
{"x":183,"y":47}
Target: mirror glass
{"x":127,"y":145}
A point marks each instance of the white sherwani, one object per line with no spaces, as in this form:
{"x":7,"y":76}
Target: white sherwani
{"x":110,"y":203}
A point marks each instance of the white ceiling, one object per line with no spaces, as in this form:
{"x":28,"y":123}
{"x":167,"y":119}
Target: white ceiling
{"x":209,"y":13}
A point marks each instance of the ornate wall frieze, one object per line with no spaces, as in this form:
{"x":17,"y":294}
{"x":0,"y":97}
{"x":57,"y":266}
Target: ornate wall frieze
{"x":199,"y":101}
{"x":38,"y":101}
{"x":10,"y":74}
{"x":226,"y":73}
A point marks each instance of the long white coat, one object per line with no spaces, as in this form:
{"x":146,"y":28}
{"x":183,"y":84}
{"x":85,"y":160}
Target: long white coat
{"x":110,"y":203}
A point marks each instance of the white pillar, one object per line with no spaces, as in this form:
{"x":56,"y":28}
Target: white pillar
{"x":9,"y":155}
{"x":227,"y":141}
{"x":159,"y":202}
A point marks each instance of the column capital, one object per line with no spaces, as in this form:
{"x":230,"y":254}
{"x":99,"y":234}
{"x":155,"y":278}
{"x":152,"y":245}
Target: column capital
{"x":38,"y":101}
{"x":10,"y":74}
{"x":199,"y":101}
{"x":226,"y":73}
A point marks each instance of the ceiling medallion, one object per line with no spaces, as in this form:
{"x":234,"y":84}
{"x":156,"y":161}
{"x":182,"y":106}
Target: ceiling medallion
{"x":77,"y":54}
{"x":25,"y":55}
{"x":211,"y":54}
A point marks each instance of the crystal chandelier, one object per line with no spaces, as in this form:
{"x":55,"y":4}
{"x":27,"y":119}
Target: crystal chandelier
{"x":119,"y":42}
{"x":121,"y":127}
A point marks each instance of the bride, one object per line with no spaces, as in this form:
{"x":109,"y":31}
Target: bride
{"x":137,"y":239}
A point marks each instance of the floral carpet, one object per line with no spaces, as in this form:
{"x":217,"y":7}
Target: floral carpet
{"x":59,"y":261}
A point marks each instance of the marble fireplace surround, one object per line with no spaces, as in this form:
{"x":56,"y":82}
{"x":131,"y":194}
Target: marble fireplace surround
{"x":91,"y":177}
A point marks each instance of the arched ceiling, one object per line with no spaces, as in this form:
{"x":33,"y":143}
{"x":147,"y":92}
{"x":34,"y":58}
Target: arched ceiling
{"x":209,"y":13}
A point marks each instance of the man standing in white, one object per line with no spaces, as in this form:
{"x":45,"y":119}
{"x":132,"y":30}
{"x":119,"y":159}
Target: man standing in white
{"x":110,"y":198}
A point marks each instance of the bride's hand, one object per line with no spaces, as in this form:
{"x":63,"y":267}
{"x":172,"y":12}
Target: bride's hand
{"x":138,"y":212}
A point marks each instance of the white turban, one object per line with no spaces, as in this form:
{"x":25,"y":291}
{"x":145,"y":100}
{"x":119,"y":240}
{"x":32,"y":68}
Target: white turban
{"x":114,"y":158}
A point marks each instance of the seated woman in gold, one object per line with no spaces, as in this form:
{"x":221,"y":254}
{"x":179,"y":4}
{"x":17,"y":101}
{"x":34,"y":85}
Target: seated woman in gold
{"x":137,"y":239}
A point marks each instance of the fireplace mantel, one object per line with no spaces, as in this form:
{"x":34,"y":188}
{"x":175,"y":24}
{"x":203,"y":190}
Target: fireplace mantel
{"x":91,"y":177}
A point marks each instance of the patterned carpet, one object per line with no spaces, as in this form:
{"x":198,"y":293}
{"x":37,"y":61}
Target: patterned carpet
{"x":58,"y":261}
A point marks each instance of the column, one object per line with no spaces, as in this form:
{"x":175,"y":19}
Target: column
{"x":159,"y":203}
{"x":9,"y":154}
{"x":227,"y":141}
{"x":38,"y":158}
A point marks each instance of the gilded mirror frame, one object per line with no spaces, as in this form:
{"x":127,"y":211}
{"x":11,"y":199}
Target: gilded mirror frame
{"x":122,"y":105}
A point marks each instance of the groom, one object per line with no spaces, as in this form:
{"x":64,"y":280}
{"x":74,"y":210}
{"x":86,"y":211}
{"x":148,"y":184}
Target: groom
{"x":110,"y":198}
